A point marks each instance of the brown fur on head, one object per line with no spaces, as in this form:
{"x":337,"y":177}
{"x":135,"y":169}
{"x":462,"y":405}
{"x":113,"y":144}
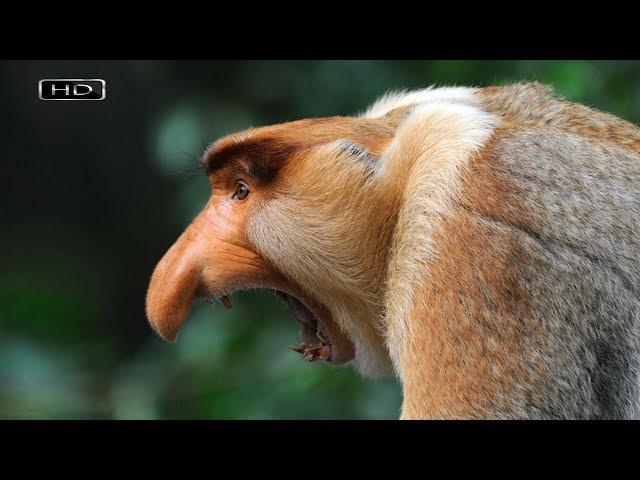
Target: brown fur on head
{"x":306,"y":229}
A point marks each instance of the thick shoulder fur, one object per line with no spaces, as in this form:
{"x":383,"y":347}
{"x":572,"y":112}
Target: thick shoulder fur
{"x":511,"y":286}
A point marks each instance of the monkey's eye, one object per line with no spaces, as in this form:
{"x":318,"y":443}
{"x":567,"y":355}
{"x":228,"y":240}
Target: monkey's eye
{"x":241,"y":192}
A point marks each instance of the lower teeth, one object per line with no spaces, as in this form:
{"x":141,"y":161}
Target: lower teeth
{"x":311,"y":353}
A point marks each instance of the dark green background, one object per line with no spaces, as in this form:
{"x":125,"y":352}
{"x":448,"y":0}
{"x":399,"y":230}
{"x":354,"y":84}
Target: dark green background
{"x":93,"y":193}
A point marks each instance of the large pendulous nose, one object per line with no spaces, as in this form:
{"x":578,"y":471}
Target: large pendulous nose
{"x":173,"y":286}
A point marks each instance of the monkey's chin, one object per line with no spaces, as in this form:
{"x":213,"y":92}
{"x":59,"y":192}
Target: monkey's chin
{"x":321,"y":338}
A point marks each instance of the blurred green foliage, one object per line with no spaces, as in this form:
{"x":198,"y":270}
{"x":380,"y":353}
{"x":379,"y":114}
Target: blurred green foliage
{"x":94,"y":194}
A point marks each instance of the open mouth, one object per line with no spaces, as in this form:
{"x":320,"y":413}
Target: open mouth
{"x":318,"y":335}
{"x":184,"y":275}
{"x":316,"y":344}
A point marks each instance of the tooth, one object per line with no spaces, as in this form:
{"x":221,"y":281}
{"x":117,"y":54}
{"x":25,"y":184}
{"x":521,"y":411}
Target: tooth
{"x":312,"y":353}
{"x":298,"y":348}
{"x":225,"y":301}
{"x":317,"y":352}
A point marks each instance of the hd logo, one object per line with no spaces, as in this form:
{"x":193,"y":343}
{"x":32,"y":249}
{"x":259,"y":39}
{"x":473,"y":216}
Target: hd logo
{"x":72,"y":89}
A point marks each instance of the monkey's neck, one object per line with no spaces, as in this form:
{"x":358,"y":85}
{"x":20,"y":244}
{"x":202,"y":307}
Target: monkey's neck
{"x":421,"y":173}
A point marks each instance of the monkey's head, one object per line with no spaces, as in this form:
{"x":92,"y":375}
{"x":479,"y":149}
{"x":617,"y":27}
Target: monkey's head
{"x":297,"y":208}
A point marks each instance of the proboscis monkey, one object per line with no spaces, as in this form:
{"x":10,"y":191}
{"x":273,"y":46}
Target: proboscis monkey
{"x":481,"y":244}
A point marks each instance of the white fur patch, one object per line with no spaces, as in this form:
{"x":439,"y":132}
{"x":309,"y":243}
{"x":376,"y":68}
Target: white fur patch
{"x":393,"y":100}
{"x":430,"y":149}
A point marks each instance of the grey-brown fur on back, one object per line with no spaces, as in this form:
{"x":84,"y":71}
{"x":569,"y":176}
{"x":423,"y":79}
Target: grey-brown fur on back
{"x":575,"y":178}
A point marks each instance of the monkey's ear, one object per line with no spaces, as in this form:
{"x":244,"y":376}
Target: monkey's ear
{"x":358,"y":152}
